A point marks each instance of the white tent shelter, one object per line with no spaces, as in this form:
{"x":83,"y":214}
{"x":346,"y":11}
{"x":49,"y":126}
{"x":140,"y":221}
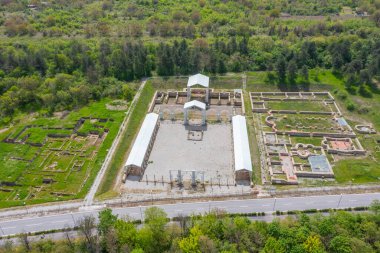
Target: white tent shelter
{"x":195,"y":104}
{"x":242,"y":154}
{"x":198,"y":79}
{"x":137,"y":158}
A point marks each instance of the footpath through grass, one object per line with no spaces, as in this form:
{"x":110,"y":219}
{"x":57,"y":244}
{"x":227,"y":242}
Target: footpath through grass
{"x":137,"y":116}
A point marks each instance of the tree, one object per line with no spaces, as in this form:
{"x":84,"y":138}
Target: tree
{"x":351,"y":83}
{"x":86,"y":229}
{"x":126,"y":234}
{"x":273,"y":246}
{"x":25,"y":242}
{"x":375,"y":207}
{"x":128,"y":92}
{"x":305,"y":73}
{"x":365,"y":91}
{"x":107,"y":221}
{"x":156,"y":219}
{"x":281,"y":68}
{"x":376,"y":18}
{"x":365,"y":77}
{"x":190,"y":244}
{"x":313,"y":245}
{"x":340,"y":244}
{"x":292,"y":72}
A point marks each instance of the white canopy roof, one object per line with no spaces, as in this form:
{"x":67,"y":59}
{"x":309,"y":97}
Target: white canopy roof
{"x":195,"y":103}
{"x":242,"y":152}
{"x":137,"y":155}
{"x":198,"y":79}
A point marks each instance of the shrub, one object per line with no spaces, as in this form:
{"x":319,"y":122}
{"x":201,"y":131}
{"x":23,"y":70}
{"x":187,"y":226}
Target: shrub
{"x":350,"y":106}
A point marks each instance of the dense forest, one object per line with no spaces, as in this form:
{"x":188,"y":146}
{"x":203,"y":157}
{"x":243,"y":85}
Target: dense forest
{"x":57,"y":55}
{"x":337,"y":232}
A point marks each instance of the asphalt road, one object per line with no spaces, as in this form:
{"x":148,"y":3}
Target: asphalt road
{"x":34,"y":224}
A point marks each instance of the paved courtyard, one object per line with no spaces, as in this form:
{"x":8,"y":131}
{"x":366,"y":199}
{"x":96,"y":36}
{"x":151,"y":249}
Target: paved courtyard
{"x":211,"y":152}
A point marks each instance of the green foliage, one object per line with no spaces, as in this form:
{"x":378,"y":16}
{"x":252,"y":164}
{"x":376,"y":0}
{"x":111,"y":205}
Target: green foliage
{"x":340,"y":244}
{"x":106,"y":221}
{"x":335,"y":232}
{"x":72,"y":50}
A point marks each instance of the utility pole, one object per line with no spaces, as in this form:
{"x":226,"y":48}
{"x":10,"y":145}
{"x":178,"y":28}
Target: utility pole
{"x":341,"y":196}
{"x":274,"y":204}
{"x":244,"y":77}
{"x":72,"y":217}
{"x":2,"y":231}
{"x":141,"y":215}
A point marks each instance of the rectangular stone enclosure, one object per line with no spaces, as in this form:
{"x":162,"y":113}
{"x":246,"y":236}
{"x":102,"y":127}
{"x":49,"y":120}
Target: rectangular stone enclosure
{"x":207,"y":150}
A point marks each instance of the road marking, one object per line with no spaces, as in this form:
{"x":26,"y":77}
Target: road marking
{"x":179,"y":210}
{"x":133,"y":213}
{"x":244,"y":206}
{"x":266,"y":205}
{"x":35,"y":224}
{"x":59,"y":221}
{"x":352,"y":200}
{"x":8,"y":227}
{"x":285,"y":204}
{"x":309,"y":203}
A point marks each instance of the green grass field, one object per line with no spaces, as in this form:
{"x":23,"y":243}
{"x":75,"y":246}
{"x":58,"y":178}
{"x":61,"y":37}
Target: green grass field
{"x":70,"y":162}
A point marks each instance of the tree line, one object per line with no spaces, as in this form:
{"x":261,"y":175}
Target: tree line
{"x":337,"y":232}
{"x":66,"y":74}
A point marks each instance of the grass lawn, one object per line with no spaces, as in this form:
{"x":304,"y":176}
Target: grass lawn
{"x":297,"y":105}
{"x":119,"y":157}
{"x":357,"y":171}
{"x":255,"y":153}
{"x":316,"y":141}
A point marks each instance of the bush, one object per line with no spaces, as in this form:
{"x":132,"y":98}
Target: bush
{"x":350,"y":106}
{"x":365,"y":91}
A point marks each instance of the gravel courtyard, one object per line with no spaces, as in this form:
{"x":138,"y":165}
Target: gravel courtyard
{"x":172,"y":150}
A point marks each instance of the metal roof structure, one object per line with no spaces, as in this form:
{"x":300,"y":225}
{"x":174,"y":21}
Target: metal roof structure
{"x":198,"y":79}
{"x":141,"y":144}
{"x":195,"y":103}
{"x":242,"y":152}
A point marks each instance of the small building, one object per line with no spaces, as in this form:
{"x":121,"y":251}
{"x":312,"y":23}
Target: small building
{"x":242,"y":153}
{"x":194,"y":105}
{"x":138,"y":157}
{"x":201,"y":80}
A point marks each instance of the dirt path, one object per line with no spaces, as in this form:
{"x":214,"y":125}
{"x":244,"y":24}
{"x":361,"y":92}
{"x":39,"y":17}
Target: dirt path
{"x":3,"y":130}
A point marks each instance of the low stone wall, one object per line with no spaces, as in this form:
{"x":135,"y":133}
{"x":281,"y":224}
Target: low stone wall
{"x":317,"y":113}
{"x":315,"y":174}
